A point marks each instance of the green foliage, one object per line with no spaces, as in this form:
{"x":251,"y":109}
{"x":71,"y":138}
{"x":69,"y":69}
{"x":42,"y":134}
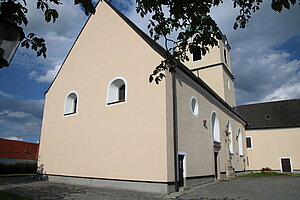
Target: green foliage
{"x":9,"y":196}
{"x":18,"y":168}
{"x":195,"y":26}
{"x":15,"y":11}
{"x":190,"y":18}
{"x":263,"y":174}
{"x":266,"y":169}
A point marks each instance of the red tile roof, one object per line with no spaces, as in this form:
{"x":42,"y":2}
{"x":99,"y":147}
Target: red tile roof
{"x":18,"y":149}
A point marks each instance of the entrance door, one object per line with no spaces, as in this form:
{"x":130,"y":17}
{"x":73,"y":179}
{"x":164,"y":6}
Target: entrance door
{"x":180,"y":169}
{"x":216,"y":164}
{"x":286,"y":165}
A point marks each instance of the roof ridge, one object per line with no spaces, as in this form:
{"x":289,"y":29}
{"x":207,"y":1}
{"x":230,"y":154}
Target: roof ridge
{"x":269,"y":102}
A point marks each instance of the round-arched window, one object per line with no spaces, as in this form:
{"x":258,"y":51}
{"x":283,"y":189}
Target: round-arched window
{"x":71,"y":104}
{"x":229,"y":129}
{"x":215,"y":127}
{"x":116,"y":91}
{"x":194,"y":106}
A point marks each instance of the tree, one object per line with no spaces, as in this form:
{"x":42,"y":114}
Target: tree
{"x":190,"y":18}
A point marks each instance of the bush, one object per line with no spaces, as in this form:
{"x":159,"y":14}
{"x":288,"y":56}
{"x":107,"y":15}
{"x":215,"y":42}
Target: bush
{"x":266,"y":169}
{"x":18,"y":168}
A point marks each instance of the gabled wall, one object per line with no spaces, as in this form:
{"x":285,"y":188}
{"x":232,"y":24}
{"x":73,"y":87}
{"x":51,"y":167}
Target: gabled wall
{"x":125,"y":141}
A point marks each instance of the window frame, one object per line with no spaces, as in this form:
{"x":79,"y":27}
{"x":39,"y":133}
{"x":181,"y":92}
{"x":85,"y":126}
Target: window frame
{"x":196,"y":106}
{"x":112,"y":103}
{"x":228,"y":84}
{"x":240,"y":143}
{"x":76,"y":108}
{"x":218,"y":127}
{"x":230,"y":130}
{"x":251,"y":142}
{"x":291,"y":164}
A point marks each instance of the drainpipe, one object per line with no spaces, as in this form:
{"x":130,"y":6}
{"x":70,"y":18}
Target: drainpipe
{"x":175,"y":129}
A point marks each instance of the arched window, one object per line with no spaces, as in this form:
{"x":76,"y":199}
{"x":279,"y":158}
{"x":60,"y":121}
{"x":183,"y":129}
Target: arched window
{"x":194,"y":106}
{"x":229,"y":129}
{"x":116,"y":91}
{"x":240,"y":142}
{"x":215,"y":127}
{"x":71,"y":104}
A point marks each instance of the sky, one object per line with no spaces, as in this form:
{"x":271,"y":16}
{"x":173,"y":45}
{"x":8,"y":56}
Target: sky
{"x":265,"y":58}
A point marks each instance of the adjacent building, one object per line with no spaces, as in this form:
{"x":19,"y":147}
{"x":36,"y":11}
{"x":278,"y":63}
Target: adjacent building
{"x":12,"y":151}
{"x":273,"y":135}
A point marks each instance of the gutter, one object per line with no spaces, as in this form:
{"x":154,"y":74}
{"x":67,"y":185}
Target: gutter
{"x":175,"y":129}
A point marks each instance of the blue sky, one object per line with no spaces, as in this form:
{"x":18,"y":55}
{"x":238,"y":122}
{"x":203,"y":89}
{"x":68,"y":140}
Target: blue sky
{"x":265,"y":58}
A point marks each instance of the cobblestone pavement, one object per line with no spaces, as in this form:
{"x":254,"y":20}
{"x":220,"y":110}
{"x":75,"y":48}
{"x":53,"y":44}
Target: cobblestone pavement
{"x":254,"y":188}
{"x":273,"y":188}
{"x":43,"y":190}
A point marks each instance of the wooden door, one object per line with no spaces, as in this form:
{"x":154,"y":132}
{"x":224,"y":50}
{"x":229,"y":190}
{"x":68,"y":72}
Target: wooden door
{"x":286,"y":165}
{"x":216,"y":164}
{"x":181,"y":170}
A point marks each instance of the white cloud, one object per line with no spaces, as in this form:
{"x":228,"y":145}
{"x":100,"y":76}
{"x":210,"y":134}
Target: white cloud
{"x":59,"y":38}
{"x":262,"y":71}
{"x":45,"y":78}
{"x":14,"y":138}
{"x":6,"y":95}
{"x":290,"y":90}
{"x":21,"y":118}
{"x":13,"y":114}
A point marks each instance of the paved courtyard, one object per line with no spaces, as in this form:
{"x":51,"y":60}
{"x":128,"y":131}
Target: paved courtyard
{"x":273,"y":188}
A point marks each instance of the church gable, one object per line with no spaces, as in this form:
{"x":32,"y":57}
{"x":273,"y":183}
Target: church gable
{"x":109,"y":39}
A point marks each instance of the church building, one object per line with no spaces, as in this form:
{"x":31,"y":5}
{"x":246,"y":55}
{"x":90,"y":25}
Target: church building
{"x":104,"y":124}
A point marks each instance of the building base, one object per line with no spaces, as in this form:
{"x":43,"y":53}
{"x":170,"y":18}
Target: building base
{"x":141,"y":186}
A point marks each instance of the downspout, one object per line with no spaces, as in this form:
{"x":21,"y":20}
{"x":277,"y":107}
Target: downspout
{"x":175,"y":129}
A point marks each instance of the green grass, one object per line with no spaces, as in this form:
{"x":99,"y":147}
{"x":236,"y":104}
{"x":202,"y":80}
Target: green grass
{"x":4,"y":175}
{"x":264,"y":174}
{"x":9,"y":196}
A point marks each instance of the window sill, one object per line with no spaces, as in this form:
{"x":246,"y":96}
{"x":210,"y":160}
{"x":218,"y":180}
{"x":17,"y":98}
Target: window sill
{"x":116,"y":102}
{"x":69,"y":114}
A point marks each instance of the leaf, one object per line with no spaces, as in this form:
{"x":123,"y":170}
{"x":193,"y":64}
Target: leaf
{"x":235,"y":26}
{"x":150,"y":79}
{"x":276,"y":5}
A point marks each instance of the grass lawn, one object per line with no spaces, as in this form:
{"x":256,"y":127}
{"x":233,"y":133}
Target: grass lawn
{"x":9,"y":196}
{"x":264,"y":174}
{"x":4,"y":175}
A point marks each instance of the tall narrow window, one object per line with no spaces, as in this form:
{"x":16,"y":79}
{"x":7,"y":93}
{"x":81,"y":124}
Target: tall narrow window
{"x":215,"y":127}
{"x":249,"y":142}
{"x":225,"y":56}
{"x":240,"y":142}
{"x":194,"y":106}
{"x":116,"y":91}
{"x":71,"y":104}
{"x":197,"y":54}
{"x":229,"y":129}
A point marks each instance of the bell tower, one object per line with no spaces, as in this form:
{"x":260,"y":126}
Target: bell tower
{"x":215,"y":70}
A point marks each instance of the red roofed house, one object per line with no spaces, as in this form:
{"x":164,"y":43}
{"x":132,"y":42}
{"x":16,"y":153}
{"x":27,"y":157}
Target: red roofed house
{"x":12,"y":151}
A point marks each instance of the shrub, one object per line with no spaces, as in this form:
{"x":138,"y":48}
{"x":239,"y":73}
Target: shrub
{"x":266,"y":169}
{"x":18,"y":168}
